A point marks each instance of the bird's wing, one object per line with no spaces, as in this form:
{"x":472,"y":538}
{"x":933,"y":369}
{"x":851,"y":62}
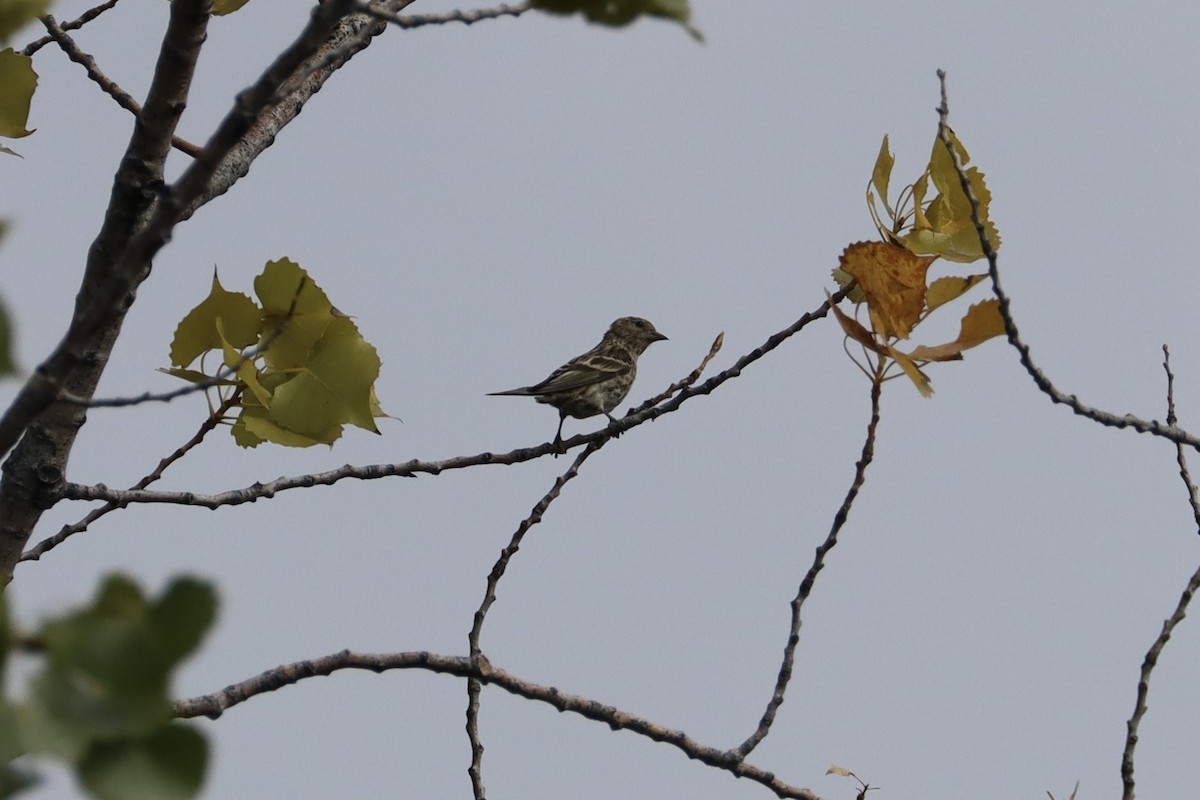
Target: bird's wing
{"x":578,"y":374}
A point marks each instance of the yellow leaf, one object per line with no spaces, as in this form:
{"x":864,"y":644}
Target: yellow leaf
{"x":893,"y":280}
{"x":943,"y":290}
{"x":882,"y":174}
{"x":914,"y":374}
{"x":223,"y":7}
{"x":853,"y":328}
{"x":834,"y":769}
{"x":982,"y":322}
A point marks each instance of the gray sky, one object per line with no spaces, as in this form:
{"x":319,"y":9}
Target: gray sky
{"x":484,"y":201}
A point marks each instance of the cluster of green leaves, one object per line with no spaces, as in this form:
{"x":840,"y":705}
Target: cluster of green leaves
{"x":297,"y":367}
{"x":891,"y":276}
{"x":100,"y":698}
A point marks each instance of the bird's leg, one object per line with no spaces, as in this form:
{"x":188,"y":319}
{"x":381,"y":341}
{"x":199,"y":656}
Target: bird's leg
{"x":558,"y":436}
{"x":611,"y":422}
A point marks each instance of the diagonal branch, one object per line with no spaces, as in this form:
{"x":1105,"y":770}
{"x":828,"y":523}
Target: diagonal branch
{"x":806,"y":585}
{"x":1172,"y":432}
{"x":474,"y":686}
{"x":74,"y":24}
{"x":213,"y":705}
{"x":106,"y":84}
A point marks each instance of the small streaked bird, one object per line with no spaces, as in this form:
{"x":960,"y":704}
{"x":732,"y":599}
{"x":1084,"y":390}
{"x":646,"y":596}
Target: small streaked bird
{"x":595,"y":382}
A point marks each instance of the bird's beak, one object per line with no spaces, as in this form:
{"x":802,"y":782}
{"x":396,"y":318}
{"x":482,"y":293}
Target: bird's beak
{"x":658,"y":337}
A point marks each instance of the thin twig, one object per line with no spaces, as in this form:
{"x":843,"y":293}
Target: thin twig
{"x":1152,"y":655}
{"x":1154,"y":427}
{"x":213,"y":705}
{"x":474,"y":686}
{"x":68,"y":531}
{"x":421,"y":20}
{"x":409,"y":469}
{"x":74,"y":24}
{"x":106,"y":84}
{"x":806,"y":585}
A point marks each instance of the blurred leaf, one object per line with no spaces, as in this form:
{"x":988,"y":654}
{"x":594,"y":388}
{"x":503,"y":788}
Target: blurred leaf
{"x":223,"y":7}
{"x":16,"y":14}
{"x":17,"y":83}
{"x":167,"y":764}
{"x":618,"y":13}
{"x":197,"y":332}
{"x":181,"y":617}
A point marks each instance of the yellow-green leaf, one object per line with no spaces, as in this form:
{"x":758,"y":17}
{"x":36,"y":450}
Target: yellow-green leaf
{"x":223,"y":7}
{"x":297,"y":313}
{"x":335,"y":387}
{"x":882,"y":174}
{"x":618,"y":13}
{"x":17,"y":83}
{"x":197,"y":333}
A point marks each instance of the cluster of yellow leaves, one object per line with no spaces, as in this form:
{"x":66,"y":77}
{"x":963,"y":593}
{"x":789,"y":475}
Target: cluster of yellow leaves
{"x":890,"y":276}
{"x":300,"y":367}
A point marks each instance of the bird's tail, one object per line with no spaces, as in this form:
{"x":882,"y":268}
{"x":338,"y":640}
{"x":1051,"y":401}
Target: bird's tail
{"x":524,"y":391}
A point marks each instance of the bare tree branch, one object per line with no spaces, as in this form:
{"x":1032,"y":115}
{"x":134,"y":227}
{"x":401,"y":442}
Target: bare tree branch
{"x":74,"y":24}
{"x":1172,"y":432}
{"x":465,"y":17}
{"x":213,"y":705}
{"x":106,"y":84}
{"x":1152,"y":655}
{"x":67,"y":531}
{"x":806,"y":585}
{"x":474,"y":686}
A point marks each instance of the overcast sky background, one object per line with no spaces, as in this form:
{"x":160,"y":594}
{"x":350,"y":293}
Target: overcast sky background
{"x":485,"y":200}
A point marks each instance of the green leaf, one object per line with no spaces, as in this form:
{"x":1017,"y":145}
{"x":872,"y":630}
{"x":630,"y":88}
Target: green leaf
{"x":16,"y":14}
{"x":197,"y":332}
{"x":17,"y":82}
{"x":168,"y":764}
{"x":8,"y":365}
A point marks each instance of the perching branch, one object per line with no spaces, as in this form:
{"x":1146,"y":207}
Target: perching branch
{"x":213,"y":705}
{"x":1172,"y":432}
{"x":409,"y":469}
{"x":806,"y":585}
